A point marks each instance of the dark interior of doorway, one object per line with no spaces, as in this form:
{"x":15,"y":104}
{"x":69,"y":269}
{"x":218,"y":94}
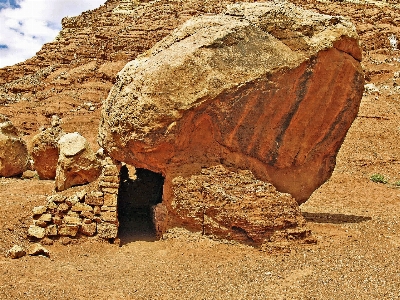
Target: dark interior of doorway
{"x":136,"y":195}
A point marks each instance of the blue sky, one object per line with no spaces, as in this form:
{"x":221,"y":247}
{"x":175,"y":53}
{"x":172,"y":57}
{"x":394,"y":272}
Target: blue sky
{"x":25,"y":25}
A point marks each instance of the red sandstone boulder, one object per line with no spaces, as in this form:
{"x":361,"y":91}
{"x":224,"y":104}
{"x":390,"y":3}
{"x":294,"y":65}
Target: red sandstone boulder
{"x":267,"y":87}
{"x":44,"y":150}
{"x":14,"y":157}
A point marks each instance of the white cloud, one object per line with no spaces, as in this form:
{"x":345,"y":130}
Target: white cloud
{"x":26,"y":28}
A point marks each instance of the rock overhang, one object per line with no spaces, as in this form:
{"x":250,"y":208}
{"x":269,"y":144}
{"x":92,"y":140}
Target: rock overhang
{"x":198,"y":96}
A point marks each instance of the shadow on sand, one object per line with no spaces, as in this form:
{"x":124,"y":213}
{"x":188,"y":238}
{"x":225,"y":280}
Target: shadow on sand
{"x":334,"y":218}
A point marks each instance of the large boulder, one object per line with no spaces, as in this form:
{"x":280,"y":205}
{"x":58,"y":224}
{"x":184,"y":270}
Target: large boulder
{"x":44,"y":150}
{"x":267,"y":87}
{"x":77,"y":163}
{"x":14,"y":156}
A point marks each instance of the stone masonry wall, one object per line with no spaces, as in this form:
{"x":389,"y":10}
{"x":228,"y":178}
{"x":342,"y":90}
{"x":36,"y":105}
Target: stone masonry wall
{"x":91,"y":211}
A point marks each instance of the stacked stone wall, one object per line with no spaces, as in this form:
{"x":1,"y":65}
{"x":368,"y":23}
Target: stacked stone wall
{"x":92,"y":211}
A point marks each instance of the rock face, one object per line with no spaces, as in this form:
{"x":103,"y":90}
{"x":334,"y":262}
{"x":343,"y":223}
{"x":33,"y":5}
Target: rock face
{"x":266,"y":87}
{"x":77,"y":163}
{"x":234,"y":205}
{"x":13,"y":151}
{"x":45,"y":150}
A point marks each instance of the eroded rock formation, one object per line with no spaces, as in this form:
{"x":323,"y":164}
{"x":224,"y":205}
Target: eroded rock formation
{"x":266,"y":87}
{"x":13,"y":151}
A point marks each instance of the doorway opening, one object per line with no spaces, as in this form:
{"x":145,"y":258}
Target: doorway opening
{"x":137,"y":194}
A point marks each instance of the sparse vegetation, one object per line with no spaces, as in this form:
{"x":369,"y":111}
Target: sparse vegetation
{"x":397,"y":183}
{"x":378,"y":178}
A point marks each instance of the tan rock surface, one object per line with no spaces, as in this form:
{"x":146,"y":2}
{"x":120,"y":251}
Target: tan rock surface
{"x":13,"y":151}
{"x":233,"y":205}
{"x":77,"y":163}
{"x":267,"y":87}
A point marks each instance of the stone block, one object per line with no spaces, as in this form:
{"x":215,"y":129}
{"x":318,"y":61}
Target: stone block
{"x":110,"y":190}
{"x":87,"y":215}
{"x":68,"y":230}
{"x":108,"y":208}
{"x":110,"y":199}
{"x":110,"y":179}
{"x":52,"y":230}
{"x":88,"y":229}
{"x":94,"y":198}
{"x":72,"y":220}
{"x":38,"y":210}
{"x":71,"y":201}
{"x":78,"y":207}
{"x":40,"y":223}
{"x":109,"y":216}
{"x":105,"y":184}
{"x":97,"y":210}
{"x":107,"y":230}
{"x":56,"y":198}
{"x":110,"y":170}
{"x":16,"y":252}
{"x":63,"y":208}
{"x":36,"y":231}
{"x":57,"y":220}
{"x":45,"y":217}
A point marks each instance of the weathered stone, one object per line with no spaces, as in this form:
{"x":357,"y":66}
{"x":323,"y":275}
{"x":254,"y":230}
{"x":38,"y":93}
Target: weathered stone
{"x":110,"y":190}
{"x":57,"y":220}
{"x":94,"y":198}
{"x":40,"y":223}
{"x":105,"y":184}
{"x":13,"y":150}
{"x":45,"y":151}
{"x":36,"y":231}
{"x":51,"y":230}
{"x":97,"y":210}
{"x":110,"y":179}
{"x":72,"y":220}
{"x":81,"y":195}
{"x":63,"y":207}
{"x":107,"y":230}
{"x":265,"y":86}
{"x":52,"y":205}
{"x":233,"y":205}
{"x":68,"y":230}
{"x":58,"y":198}
{"x":77,"y":163}
{"x":110,"y":170}
{"x":110,"y":199}
{"x":47,"y":241}
{"x":108,"y":208}
{"x":78,"y":207}
{"x":71,"y":201}
{"x":88,"y":229}
{"x":45,"y":217}
{"x":16,"y":252}
{"x":87,"y":221}
{"x":109,"y":216}
{"x":38,"y":249}
{"x":87,"y":215}
{"x":38,"y":210}
{"x":29,"y":174}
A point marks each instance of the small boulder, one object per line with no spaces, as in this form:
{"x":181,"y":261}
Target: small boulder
{"x":44,"y":150}
{"x":38,"y":249}
{"x":14,"y":159}
{"x":77,"y":163}
{"x":36,"y":231}
{"x":16,"y":252}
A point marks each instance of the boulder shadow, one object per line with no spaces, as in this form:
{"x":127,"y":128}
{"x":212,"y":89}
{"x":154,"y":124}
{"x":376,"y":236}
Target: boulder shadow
{"x":334,"y":218}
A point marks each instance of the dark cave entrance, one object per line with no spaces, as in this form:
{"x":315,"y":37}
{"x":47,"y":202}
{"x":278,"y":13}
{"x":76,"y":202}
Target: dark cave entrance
{"x":136,"y":195}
